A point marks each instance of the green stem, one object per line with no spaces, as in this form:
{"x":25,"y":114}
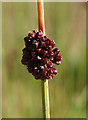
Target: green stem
{"x":45,"y":99}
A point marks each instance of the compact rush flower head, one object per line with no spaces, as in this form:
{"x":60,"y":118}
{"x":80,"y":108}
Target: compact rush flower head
{"x":39,"y":55}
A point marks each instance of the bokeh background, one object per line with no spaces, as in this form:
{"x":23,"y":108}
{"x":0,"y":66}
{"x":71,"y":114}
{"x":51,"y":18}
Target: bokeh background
{"x":21,"y":94}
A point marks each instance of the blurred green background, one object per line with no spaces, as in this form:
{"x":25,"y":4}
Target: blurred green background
{"x":22,"y":95}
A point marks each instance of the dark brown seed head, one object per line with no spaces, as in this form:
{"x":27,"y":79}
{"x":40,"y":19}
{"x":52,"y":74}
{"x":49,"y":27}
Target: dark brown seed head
{"x":39,"y":55}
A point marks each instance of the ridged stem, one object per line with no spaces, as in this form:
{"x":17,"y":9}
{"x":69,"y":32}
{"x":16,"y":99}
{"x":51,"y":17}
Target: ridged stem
{"x":45,"y":89}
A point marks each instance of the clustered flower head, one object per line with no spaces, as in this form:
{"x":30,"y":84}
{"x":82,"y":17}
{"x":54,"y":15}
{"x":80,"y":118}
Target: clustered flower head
{"x":39,"y":55}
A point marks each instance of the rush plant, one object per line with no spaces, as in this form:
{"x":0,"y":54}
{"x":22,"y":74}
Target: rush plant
{"x":39,"y":55}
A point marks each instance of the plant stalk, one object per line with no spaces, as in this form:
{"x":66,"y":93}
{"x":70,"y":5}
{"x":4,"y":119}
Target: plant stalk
{"x":41,"y":16}
{"x":45,"y":89}
{"x":45,"y":99}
